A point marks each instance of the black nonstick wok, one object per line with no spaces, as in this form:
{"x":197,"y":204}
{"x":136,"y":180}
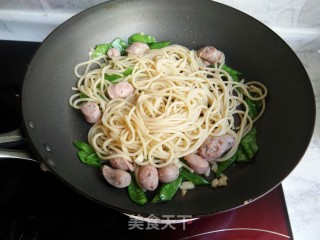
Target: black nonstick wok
{"x":50,"y":125}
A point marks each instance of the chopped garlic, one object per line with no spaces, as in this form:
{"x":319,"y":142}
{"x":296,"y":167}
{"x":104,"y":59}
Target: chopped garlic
{"x":183,"y":192}
{"x":187,"y":185}
{"x":214,"y":183}
{"x":222,"y":182}
{"x":207,"y":174}
{"x":219,"y":182}
{"x":139,"y":159}
{"x":224,"y":177}
{"x":214,"y":166}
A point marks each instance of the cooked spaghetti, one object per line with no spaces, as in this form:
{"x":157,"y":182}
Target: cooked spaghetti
{"x":177,"y":103}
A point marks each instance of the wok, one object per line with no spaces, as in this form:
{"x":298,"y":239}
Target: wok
{"x":50,"y":125}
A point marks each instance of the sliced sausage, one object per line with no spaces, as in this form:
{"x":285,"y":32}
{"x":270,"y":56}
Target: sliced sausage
{"x":116,"y":177}
{"x":148,"y":177}
{"x":91,"y":112}
{"x":168,"y":173}
{"x":120,"y":90}
{"x":211,"y":54}
{"x":121,"y":163}
{"x":213,"y":148}
{"x":113,"y":52}
{"x":197,"y":163}
{"x":137,"y":48}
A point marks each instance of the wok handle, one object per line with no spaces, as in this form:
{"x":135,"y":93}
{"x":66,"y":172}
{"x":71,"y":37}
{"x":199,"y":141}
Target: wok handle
{"x":17,"y":154}
{"x":11,"y":139}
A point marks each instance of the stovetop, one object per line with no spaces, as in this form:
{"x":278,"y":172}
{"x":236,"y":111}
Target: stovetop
{"x":36,"y":205}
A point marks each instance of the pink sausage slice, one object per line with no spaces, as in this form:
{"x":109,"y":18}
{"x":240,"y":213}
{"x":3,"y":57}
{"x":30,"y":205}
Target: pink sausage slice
{"x":168,"y":173}
{"x":120,"y":90}
{"x":213,"y":148}
{"x":91,"y":112}
{"x":113,"y":52}
{"x":211,"y":54}
{"x":116,"y":177}
{"x":148,"y":177}
{"x":121,"y":163}
{"x":137,"y":48}
{"x":197,"y":163}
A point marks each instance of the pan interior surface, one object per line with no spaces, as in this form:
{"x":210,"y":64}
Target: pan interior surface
{"x":284,"y":131}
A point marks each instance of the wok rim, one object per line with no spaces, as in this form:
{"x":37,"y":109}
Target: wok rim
{"x":39,"y":155}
